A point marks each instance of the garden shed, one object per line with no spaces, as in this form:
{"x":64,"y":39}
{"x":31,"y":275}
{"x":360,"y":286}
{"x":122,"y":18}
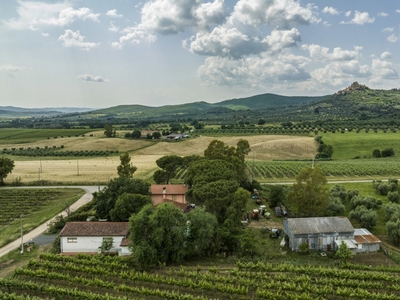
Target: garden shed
{"x":319,"y":233}
{"x":87,"y":237}
{"x":366,"y":241}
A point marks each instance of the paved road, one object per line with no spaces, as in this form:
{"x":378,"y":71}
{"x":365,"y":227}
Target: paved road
{"x":87,"y":197}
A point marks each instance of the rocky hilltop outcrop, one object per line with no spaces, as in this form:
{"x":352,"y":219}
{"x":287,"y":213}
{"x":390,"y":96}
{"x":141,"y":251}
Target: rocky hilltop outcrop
{"x":355,"y":86}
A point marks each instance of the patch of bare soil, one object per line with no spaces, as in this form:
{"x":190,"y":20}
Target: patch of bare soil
{"x":373,"y":259}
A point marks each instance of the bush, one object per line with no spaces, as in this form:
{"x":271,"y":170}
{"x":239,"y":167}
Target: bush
{"x":393,"y":196}
{"x":367,"y":201}
{"x":376,"y":153}
{"x":387,"y":152}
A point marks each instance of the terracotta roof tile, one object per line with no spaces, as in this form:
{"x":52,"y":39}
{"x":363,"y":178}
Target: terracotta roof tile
{"x":95,"y":229}
{"x":126,"y":242}
{"x":170,"y":189}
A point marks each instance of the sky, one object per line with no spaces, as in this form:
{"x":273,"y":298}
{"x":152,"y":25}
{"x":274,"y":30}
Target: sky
{"x":100,"y":53}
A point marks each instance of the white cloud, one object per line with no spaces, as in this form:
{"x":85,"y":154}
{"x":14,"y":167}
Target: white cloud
{"x":398,"y":11}
{"x":10,"y":68}
{"x":91,"y":78}
{"x":382,"y":14}
{"x":388,"y":29}
{"x":326,"y":23}
{"x":337,"y":73}
{"x":382,"y":70}
{"x":45,"y":34}
{"x":386,"y":55}
{"x":330,"y":10}
{"x":360,"y":18}
{"x":232,"y":43}
{"x":282,"y":13}
{"x":113,"y":14}
{"x":347,"y":13}
{"x":254,"y":71}
{"x":69,"y":15}
{"x":319,"y":53}
{"x":393,"y":38}
{"x":75,"y":39}
{"x":29,"y":14}
{"x":113,"y":28}
{"x":35,"y":14}
{"x":162,"y":17}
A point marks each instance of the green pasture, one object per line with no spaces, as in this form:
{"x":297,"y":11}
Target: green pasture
{"x":19,"y":136}
{"x":36,"y":207}
{"x":352,"y":144}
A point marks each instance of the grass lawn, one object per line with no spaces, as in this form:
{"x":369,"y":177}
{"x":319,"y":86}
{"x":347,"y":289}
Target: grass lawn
{"x":352,"y":144}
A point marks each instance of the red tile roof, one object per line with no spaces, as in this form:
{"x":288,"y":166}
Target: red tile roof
{"x":179,"y":205}
{"x":126,"y":242}
{"x":170,"y":189}
{"x":95,"y":229}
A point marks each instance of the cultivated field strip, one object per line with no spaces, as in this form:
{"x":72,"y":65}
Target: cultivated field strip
{"x":17,"y":202}
{"x":106,"y":277}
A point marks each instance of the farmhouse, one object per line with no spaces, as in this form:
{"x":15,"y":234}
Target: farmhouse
{"x":318,"y":233}
{"x":173,"y":193}
{"x":87,"y":237}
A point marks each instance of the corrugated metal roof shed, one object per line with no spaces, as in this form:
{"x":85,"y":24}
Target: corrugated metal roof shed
{"x":363,"y":236}
{"x":319,"y":225}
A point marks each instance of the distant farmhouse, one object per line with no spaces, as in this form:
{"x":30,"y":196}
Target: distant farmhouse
{"x":172,"y":193}
{"x":177,"y":136}
{"x":327,"y":233}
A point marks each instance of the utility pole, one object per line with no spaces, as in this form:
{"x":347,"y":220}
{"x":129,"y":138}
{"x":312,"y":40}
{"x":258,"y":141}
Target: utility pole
{"x":77,"y":166}
{"x":39,"y":174}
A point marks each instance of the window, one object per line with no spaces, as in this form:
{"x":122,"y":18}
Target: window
{"x":73,"y":240}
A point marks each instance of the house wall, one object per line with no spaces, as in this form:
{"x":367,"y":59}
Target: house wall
{"x":373,"y":247}
{"x":87,"y":244}
{"x":123,"y":251}
{"x":322,"y":241}
{"x":158,"y":199}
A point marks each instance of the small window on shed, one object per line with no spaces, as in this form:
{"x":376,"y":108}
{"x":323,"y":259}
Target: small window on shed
{"x":72,"y":240}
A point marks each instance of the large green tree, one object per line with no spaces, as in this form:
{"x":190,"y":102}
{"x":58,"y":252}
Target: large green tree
{"x":158,"y":235}
{"x":6,"y":167}
{"x":128,"y":204}
{"x":201,"y":232}
{"x":106,"y":199}
{"x":125,"y":169}
{"x":169,"y":164}
{"x":309,"y":196}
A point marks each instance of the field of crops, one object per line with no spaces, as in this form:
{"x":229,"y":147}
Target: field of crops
{"x":106,"y":277}
{"x":339,"y":169}
{"x":18,"y":136}
{"x":35,"y":205}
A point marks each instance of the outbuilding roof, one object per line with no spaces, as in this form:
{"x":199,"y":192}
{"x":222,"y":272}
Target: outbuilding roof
{"x":363,"y":236}
{"x":95,"y":229}
{"x":168,"y":189}
{"x":319,"y":225}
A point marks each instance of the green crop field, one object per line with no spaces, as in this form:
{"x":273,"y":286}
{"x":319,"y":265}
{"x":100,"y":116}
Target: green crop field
{"x":265,"y":171}
{"x":36,"y":207}
{"x":105,"y":277}
{"x":352,"y":144}
{"x":19,"y":136}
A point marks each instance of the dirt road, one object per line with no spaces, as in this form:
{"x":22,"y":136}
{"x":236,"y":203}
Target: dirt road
{"x":42,"y":228}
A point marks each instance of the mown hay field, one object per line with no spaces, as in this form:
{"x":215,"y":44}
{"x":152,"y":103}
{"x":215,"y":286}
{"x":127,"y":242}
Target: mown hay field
{"x":144,"y":154}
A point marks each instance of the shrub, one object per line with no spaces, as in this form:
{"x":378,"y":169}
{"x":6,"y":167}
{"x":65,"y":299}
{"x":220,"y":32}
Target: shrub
{"x":393,"y":196}
{"x":387,"y":152}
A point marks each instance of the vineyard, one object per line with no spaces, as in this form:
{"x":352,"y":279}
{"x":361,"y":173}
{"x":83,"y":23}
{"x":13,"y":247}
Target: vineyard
{"x":34,"y":205}
{"x":344,"y":168}
{"x":106,"y":277}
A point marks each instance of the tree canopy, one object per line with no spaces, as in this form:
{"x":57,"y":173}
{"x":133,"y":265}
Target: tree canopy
{"x":310,"y":194}
{"x":106,"y":199}
{"x":128,"y":204}
{"x":125,"y":169}
{"x":169,"y":164}
{"x":6,"y":167}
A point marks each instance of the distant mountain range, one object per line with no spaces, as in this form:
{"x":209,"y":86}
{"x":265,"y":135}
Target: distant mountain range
{"x":354,"y":102}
